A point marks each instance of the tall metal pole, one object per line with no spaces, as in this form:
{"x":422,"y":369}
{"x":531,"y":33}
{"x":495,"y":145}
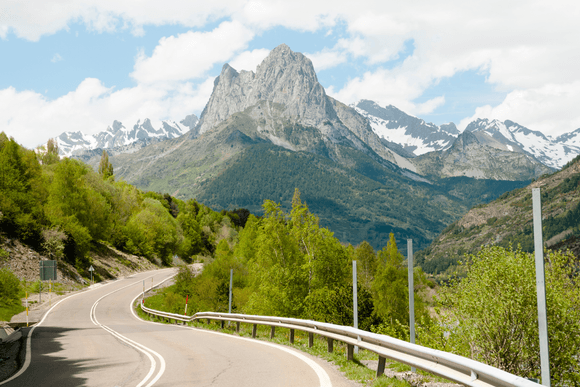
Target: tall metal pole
{"x":411,"y":294}
{"x":231,"y":280}
{"x":354,"y":300}
{"x":541,"y":288}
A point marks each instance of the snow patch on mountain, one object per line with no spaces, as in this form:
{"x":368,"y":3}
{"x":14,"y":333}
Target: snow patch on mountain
{"x":554,"y":153}
{"x":413,"y":134}
{"x":118,"y":136}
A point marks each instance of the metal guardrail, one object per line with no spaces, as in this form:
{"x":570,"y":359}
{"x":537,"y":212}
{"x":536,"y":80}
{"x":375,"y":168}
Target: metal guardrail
{"x":453,"y":367}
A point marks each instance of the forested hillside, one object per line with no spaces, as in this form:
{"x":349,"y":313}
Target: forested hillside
{"x":363,"y":202}
{"x":64,"y":209}
{"x":507,"y":221}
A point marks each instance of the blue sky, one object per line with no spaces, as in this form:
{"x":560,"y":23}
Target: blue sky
{"x":79,"y":65}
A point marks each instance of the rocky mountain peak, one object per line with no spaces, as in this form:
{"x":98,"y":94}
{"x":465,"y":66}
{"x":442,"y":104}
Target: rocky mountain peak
{"x":284,"y":77}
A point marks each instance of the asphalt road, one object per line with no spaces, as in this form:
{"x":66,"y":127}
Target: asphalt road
{"x":94,"y":339}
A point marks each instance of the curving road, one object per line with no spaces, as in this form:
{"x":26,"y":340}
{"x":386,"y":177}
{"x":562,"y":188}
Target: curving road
{"x":94,"y":339}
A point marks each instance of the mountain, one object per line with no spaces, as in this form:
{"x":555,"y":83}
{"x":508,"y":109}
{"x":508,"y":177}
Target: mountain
{"x":478,"y":155}
{"x":517,"y":138}
{"x":264,"y":133}
{"x":121,"y":139}
{"x":508,"y":221}
{"x":414,"y":135}
{"x":411,"y":136}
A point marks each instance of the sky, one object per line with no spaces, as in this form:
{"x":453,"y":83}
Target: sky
{"x":78,"y":65}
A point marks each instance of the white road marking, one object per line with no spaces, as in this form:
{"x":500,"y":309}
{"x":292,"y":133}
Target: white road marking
{"x":134,"y":344}
{"x":320,"y":372}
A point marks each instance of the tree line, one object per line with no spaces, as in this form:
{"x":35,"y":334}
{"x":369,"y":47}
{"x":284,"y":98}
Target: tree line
{"x":63,"y":208}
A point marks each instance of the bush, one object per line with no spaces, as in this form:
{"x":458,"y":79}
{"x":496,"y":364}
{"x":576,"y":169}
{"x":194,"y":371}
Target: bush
{"x":494,"y":309}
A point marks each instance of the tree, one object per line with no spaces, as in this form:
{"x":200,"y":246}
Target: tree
{"x":366,"y":264}
{"x":494,"y":310}
{"x":153,"y":232}
{"x":105,"y":167}
{"x":390,"y":288}
{"x":49,"y":155}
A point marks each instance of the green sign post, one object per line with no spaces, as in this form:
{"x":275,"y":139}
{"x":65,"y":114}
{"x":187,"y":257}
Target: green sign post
{"x":47,"y":273}
{"x":47,"y":270}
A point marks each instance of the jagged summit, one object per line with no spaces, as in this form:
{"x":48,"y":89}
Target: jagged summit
{"x":284,"y":77}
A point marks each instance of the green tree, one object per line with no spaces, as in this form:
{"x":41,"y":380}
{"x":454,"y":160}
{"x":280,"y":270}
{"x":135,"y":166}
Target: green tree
{"x":390,"y":287}
{"x":105,"y":167}
{"x":153,"y":232}
{"x":20,"y":197}
{"x":494,"y":309}
{"x":49,"y":154}
{"x":366,"y":264}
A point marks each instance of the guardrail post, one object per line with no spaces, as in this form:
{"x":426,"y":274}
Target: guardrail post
{"x":254,"y":330}
{"x":208,"y":321}
{"x":349,"y":352}
{"x":381,"y":366}
{"x":272,"y":332}
{"x":222,"y":322}
{"x":330,"y":344}
{"x":291,"y":336}
{"x":310,"y":339}
{"x":237,"y":326}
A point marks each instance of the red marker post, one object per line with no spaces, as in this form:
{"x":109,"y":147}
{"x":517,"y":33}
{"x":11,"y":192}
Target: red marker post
{"x":186,"y":299}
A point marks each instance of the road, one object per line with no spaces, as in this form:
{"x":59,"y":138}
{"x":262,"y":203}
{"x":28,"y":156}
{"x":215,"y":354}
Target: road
{"x":94,"y":339}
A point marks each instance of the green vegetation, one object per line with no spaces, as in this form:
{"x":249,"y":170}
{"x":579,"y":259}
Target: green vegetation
{"x":287,"y":265}
{"x":65,"y":210}
{"x":358,"y":199}
{"x":493,"y":312}
{"x":10,"y":290}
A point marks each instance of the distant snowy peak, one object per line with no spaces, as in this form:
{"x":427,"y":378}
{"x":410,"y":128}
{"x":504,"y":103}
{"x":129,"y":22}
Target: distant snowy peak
{"x":118,"y":136}
{"x":571,"y":139}
{"x":414,"y":134}
{"x":509,"y":135}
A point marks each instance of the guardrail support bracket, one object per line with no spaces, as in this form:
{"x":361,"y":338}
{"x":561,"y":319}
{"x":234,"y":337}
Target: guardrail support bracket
{"x":291,"y":336}
{"x":349,"y":352}
{"x":254,"y":330}
{"x":330,"y":344}
{"x":272,"y":332}
{"x":237,"y":326}
{"x":381,"y":366}
{"x":310,"y":339}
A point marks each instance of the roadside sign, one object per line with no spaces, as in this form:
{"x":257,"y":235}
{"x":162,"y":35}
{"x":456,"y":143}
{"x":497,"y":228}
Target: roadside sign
{"x":91,"y":269}
{"x":47,"y":270}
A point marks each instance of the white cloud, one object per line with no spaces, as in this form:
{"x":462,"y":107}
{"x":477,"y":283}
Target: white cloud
{"x":56,"y":58}
{"x":551,"y":109}
{"x":192,"y":54}
{"x":326,"y":59}
{"x":31,"y":118}
{"x":529,"y":49}
{"x":249,"y":60}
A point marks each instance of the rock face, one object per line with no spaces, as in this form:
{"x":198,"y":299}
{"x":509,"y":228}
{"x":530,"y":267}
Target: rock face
{"x":480,"y":156}
{"x":284,"y":77}
{"x":283,"y":92}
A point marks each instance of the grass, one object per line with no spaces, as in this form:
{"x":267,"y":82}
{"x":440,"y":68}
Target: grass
{"x":7,"y":311}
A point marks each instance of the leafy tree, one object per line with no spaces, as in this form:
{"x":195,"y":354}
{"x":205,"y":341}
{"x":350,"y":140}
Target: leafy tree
{"x":366,"y":263}
{"x":105,"y":167}
{"x":494,"y":309}
{"x":49,"y":154}
{"x":153,"y":232}
{"x":20,"y":194}
{"x":390,"y":287}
